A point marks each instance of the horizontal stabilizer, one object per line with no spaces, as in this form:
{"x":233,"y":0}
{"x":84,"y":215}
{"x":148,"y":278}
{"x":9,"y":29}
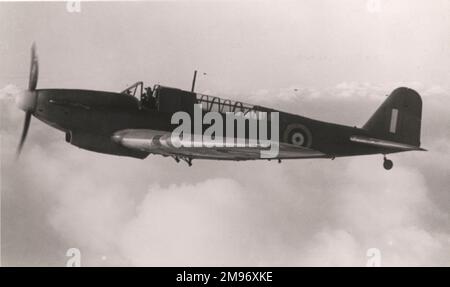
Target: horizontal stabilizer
{"x":384,"y":143}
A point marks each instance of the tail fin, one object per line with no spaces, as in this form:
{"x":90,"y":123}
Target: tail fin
{"x":399,"y":118}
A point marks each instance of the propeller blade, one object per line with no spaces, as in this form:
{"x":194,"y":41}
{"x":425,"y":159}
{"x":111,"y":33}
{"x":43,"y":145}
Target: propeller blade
{"x":34,"y":69}
{"x":26,"y":125}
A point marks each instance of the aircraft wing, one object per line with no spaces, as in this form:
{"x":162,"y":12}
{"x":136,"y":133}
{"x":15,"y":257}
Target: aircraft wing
{"x":160,"y":142}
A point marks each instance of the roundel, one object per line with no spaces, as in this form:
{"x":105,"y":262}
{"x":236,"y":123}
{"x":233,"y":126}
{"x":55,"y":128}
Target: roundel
{"x":298,"y":135}
{"x":298,"y":138}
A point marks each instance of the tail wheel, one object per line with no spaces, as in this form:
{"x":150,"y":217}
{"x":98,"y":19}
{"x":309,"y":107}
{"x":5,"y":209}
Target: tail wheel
{"x":298,"y":135}
{"x":387,"y":164}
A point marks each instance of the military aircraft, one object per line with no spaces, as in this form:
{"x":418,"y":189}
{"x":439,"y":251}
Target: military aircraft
{"x":137,"y":122}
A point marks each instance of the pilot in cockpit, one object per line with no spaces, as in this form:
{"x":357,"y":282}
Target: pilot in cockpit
{"x":147,"y":99}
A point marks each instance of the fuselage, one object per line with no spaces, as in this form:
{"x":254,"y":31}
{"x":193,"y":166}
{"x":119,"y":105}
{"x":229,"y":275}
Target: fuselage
{"x":90,"y":118}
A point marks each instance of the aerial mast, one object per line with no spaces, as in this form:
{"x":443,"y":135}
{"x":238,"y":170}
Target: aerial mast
{"x":193,"y":81}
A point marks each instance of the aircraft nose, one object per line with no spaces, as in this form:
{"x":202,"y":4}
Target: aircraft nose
{"x":26,"y":100}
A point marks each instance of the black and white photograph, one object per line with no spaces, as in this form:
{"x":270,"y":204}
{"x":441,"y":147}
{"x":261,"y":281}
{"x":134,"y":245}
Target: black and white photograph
{"x":225,"y":134}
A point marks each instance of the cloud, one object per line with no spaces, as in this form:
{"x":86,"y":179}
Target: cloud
{"x":155,"y":212}
{"x":224,"y":222}
{"x":9,"y":92}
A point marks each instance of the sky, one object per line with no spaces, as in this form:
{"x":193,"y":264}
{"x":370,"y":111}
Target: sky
{"x":328,"y":60}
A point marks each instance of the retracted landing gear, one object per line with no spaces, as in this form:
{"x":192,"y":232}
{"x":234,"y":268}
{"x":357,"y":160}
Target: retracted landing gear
{"x":387,"y":163}
{"x":188,"y":160}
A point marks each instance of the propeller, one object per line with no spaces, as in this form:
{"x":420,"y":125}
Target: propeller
{"x":26,"y":100}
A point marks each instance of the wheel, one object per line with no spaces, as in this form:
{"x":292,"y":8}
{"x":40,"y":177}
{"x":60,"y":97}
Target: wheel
{"x":388,"y":164}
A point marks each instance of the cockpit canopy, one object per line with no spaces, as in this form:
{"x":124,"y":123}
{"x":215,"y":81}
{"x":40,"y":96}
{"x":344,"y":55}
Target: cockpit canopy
{"x":145,"y":96}
{"x":167,"y":99}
